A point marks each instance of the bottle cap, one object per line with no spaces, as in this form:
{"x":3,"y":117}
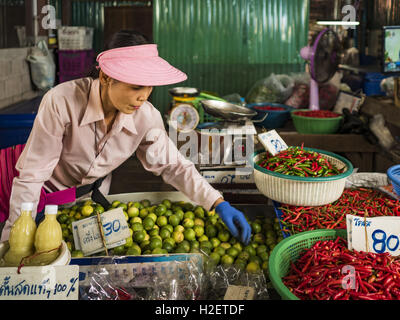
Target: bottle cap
{"x":50,"y":209}
{"x":27,"y":206}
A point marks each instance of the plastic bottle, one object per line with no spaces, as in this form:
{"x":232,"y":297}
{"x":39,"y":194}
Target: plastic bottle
{"x":48,"y":237}
{"x":22,"y":236}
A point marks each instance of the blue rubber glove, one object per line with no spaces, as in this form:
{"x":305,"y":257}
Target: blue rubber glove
{"x":233,"y":219}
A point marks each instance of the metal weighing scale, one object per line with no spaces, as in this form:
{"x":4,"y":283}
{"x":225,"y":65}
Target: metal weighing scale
{"x":236,"y":122}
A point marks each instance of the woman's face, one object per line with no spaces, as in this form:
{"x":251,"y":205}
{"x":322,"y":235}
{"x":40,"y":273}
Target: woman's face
{"x":123,"y":96}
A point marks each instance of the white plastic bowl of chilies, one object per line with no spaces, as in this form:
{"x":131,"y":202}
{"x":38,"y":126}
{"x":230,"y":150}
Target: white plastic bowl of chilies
{"x":302,"y":191}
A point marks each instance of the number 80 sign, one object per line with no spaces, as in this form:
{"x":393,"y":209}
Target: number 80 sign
{"x":382,"y":234}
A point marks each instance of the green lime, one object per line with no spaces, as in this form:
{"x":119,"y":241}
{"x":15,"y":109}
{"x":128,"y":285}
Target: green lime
{"x":77,"y":254}
{"x":133,"y":212}
{"x":87,"y":210}
{"x":189,"y":215}
{"x":159,"y":251}
{"x":180,"y":249}
{"x":233,"y":252}
{"x":238,"y":246}
{"x":170,"y":240}
{"x":134,"y":251}
{"x":65,"y":233}
{"x":123,"y":206}
{"x":139,"y":236}
{"x":168,"y":227}
{"x":211,"y":231}
{"x":162,"y":221}
{"x":119,"y":251}
{"x":259,"y":238}
{"x":128,"y":242}
{"x":152,"y":209}
{"x":199,"y":230}
{"x":250,"y":249}
{"x":143,"y":213}
{"x":244,"y":255}
{"x":256,"y":259}
{"x":136,"y":204}
{"x":189,"y":234}
{"x":225,"y":245}
{"x":167,"y":203}
{"x":180,"y":214}
{"x":226,"y":260}
{"x":224,"y":235}
{"x":255,"y":227}
{"x":252,"y":267}
{"x":168,"y":213}
{"x":215,"y":257}
{"x":199,"y":212}
{"x":136,"y":226}
{"x":178,"y":236}
{"x":202,"y":238}
{"x":199,"y":222}
{"x":215,"y":242}
{"x":135,"y":220}
{"x":241,"y":264}
{"x":179,"y":228}
{"x":145,"y":203}
{"x":194,"y":244}
{"x":145,"y":245}
{"x":62,"y":218}
{"x":221,"y":251}
{"x":126,"y":216}
{"x":173,"y":220}
{"x":152,"y":216}
{"x":160,"y":210}
{"x":148,"y":223}
{"x":264,"y":256}
{"x":155,"y":243}
{"x":154,"y":232}
{"x":167,"y":246}
{"x":206,"y":244}
{"x":115,"y":203}
{"x":188,"y":223}
{"x":185,"y":244}
{"x":164,"y":233}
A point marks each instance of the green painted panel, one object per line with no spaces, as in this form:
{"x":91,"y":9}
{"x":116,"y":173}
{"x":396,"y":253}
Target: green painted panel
{"x":225,"y":46}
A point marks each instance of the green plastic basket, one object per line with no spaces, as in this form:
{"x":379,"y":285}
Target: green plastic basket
{"x":308,"y":125}
{"x":289,"y":250}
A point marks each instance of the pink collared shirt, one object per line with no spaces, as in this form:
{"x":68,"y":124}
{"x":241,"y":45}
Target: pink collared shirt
{"x":61,"y":150}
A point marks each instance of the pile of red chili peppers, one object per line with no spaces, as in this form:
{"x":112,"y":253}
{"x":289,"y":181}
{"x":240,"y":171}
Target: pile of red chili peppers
{"x":359,"y":201}
{"x":319,"y":274}
{"x":317,"y":114}
{"x":296,"y":161}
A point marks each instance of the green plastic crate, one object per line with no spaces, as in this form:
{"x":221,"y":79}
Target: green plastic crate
{"x":289,"y":250}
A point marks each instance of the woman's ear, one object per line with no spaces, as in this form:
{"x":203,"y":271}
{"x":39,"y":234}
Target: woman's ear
{"x":104,"y":79}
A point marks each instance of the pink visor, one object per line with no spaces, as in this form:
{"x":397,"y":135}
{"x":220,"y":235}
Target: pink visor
{"x":139,"y":65}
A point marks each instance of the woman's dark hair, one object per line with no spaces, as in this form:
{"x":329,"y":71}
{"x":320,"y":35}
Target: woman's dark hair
{"x":122,"y":38}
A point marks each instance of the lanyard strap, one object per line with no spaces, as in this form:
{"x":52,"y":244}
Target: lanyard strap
{"x":97,"y":196}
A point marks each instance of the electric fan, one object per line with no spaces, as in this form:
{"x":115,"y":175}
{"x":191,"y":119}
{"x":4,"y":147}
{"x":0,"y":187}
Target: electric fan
{"x":323,"y":57}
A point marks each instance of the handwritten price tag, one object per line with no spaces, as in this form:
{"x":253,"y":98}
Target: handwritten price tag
{"x":272,"y":142}
{"x":40,"y":283}
{"x":87,"y":236}
{"x":377,"y":234}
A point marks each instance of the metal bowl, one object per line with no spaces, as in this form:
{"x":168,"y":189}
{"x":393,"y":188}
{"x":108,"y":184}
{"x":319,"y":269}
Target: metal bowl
{"x":184,"y":92}
{"x":228,"y":111}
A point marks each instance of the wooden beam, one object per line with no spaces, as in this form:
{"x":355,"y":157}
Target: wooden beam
{"x":66,"y":13}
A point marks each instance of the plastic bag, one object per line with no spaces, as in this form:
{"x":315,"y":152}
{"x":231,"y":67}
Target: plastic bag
{"x":275,"y":88}
{"x":235,"y":98}
{"x":220,"y":278}
{"x":387,"y":86}
{"x":43,"y":68}
{"x":300,"y":97}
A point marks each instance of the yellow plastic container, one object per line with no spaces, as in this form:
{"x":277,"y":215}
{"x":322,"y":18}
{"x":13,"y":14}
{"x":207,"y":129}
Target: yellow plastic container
{"x":48,"y":238}
{"x":22,"y":236}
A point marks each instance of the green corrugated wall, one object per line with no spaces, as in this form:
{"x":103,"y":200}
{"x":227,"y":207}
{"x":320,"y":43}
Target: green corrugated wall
{"x":224,"y":46}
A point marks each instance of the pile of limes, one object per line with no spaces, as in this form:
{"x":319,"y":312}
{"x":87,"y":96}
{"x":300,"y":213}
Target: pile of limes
{"x":181,"y":227}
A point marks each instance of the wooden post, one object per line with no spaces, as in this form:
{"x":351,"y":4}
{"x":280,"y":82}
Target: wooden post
{"x":397,"y":91}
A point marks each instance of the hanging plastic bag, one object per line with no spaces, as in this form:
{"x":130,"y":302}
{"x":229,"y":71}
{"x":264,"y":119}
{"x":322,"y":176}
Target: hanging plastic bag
{"x":275,"y":88}
{"x":43,"y":68}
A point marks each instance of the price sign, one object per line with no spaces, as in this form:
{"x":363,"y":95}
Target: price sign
{"x":87,"y":235}
{"x":272,"y":142}
{"x":377,"y":234}
{"x":40,"y":283}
